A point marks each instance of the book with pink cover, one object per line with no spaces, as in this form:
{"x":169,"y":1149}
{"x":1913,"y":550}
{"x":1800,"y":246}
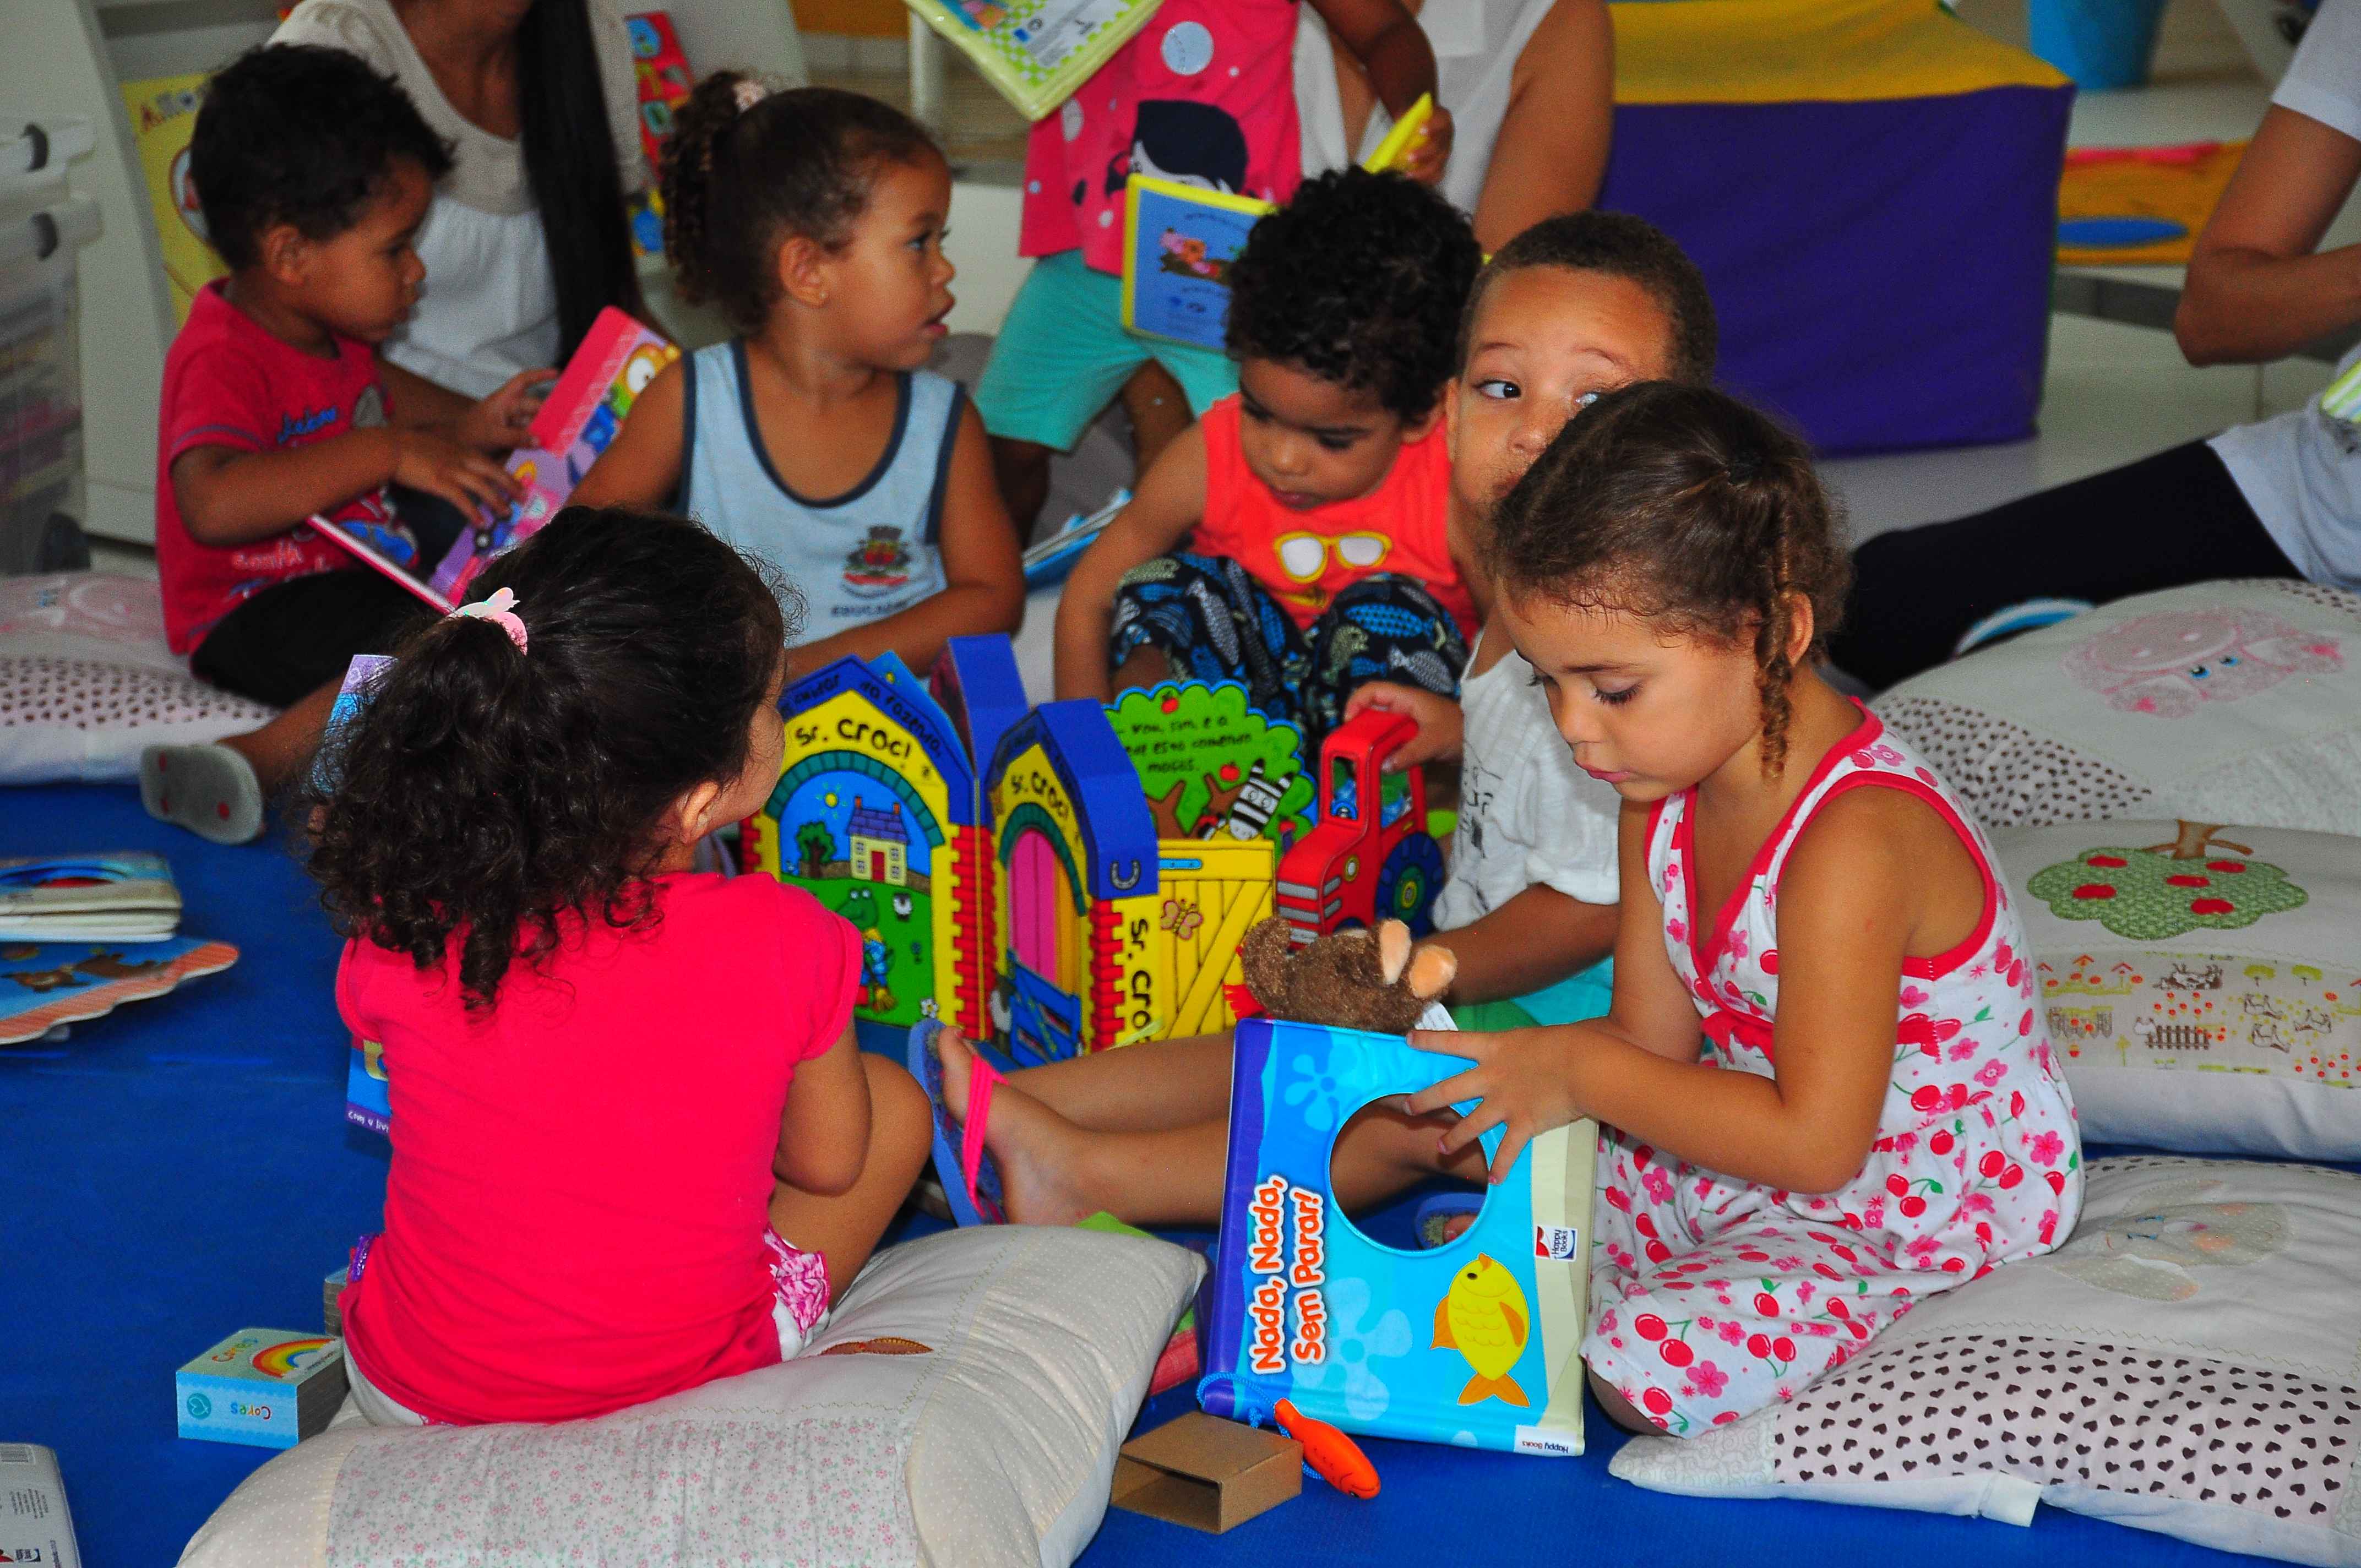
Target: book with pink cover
{"x":593,"y":396}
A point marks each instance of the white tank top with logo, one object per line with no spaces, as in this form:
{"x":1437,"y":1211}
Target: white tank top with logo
{"x":873,"y":550}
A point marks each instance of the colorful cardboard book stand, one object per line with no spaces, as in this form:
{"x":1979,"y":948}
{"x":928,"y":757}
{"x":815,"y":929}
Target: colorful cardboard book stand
{"x":877,"y":814}
{"x":1073,"y":843}
{"x":1476,"y":1343}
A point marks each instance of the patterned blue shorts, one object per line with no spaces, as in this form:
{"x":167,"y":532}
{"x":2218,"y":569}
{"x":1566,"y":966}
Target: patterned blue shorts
{"x":1209,"y":617}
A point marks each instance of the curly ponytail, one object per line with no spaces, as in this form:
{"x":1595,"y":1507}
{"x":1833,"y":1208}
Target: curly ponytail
{"x":1682,"y":505}
{"x":484,"y":795}
{"x":785,"y":164}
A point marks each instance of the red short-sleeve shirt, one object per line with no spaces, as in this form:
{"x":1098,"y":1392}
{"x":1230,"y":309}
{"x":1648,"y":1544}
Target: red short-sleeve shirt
{"x":575,"y":1214}
{"x":229,"y":383}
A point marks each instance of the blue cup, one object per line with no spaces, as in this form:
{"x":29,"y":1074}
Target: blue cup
{"x":2099,"y":43}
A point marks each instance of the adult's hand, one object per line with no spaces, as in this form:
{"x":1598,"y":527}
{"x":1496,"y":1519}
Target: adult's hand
{"x":2256,"y":289}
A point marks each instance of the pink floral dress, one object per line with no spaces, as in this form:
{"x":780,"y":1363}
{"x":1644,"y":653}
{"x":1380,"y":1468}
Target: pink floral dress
{"x":1711,"y":1297}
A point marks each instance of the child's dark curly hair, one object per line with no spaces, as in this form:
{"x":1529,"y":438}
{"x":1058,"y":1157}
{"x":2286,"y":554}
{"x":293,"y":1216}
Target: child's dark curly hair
{"x":299,"y":134}
{"x":1684,"y":506}
{"x":484,"y":793}
{"x":740,"y":182}
{"x":1360,"y":281}
{"x":1616,"y":245}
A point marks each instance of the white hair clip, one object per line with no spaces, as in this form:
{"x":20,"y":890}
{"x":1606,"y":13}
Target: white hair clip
{"x":500,"y":610}
{"x":749,"y":92}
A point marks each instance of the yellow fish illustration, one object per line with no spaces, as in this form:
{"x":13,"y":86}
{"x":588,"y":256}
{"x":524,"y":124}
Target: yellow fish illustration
{"x":1484,"y":1316}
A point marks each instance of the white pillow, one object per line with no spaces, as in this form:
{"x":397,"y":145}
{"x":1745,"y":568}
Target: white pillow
{"x":2202,"y":983}
{"x":2222,"y":702}
{"x":963,"y":1405}
{"x":2183,"y":1364}
{"x":86,"y":680}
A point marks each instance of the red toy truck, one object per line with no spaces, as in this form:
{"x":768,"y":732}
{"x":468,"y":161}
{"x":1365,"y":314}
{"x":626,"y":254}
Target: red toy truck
{"x":1367,"y":857}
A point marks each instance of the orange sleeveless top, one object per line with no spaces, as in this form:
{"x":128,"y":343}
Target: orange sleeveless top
{"x":1306,"y":558}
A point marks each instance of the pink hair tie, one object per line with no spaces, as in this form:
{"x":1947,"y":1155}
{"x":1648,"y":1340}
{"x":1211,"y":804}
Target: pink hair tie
{"x":500,"y":610}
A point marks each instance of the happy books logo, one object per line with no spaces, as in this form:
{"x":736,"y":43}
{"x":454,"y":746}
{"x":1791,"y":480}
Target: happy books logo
{"x":22,"y":1554}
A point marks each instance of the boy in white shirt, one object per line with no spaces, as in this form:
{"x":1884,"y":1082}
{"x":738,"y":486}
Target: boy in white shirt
{"x":1575,"y":306}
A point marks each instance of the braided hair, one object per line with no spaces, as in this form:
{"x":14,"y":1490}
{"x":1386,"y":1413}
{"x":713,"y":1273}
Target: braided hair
{"x":1684,"y":506}
{"x":748,"y":168}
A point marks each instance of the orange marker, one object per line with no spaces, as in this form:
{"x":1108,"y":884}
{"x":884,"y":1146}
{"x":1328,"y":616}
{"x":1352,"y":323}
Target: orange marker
{"x":1336,"y":1458}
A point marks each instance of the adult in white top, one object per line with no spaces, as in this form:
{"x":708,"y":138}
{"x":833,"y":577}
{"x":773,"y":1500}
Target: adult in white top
{"x":1530,"y":87}
{"x":2278,"y":499}
{"x":528,"y":237}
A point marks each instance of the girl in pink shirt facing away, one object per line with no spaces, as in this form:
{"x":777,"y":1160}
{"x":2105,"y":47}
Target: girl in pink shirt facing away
{"x":635,"y":1147}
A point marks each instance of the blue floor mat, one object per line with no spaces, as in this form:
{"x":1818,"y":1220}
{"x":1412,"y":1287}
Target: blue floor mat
{"x":179,"y":1169}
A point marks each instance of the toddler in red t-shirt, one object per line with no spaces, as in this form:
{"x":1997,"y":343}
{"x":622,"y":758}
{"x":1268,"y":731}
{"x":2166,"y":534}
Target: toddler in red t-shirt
{"x":635,"y":1147}
{"x":315,"y":173}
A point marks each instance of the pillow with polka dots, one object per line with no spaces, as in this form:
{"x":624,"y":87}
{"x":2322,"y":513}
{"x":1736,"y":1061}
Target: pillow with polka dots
{"x":2183,"y":1364}
{"x":2221,"y":702}
{"x":2202,"y":982}
{"x":86,"y":680}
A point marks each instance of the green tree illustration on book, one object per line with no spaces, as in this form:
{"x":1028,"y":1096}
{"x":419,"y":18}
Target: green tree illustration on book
{"x":2199,"y":882}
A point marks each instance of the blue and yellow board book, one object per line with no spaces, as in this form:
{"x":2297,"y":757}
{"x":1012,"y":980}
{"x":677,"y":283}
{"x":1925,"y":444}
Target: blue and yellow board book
{"x":1180,"y":238}
{"x":1475,"y":1343}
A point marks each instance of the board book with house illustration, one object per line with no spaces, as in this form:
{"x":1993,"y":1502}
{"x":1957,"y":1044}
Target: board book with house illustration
{"x":592,"y":397}
{"x":1476,"y":1343}
{"x":1036,"y":52}
{"x":127,"y":896}
{"x":1179,"y":241}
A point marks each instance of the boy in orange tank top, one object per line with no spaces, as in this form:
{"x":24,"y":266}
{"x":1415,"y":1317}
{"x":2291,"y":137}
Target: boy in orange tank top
{"x":1299,"y":538}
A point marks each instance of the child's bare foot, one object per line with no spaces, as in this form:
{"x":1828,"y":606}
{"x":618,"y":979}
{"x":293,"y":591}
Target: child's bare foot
{"x":1040,"y":1153}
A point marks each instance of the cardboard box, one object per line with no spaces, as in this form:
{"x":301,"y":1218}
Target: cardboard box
{"x":1207,"y":1473}
{"x":270,"y":1387}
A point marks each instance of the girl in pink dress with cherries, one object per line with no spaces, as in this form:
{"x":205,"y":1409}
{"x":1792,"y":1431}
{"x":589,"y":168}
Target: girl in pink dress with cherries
{"x":1823,"y":1089}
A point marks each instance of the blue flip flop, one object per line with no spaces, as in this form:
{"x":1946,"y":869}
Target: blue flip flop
{"x":970,"y":1177}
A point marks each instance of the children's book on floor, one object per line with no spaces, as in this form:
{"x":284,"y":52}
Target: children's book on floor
{"x":44,"y":984}
{"x":121,"y":896}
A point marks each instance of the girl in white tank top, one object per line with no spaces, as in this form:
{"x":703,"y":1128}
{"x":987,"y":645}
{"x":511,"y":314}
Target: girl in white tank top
{"x":814,"y":440}
{"x":1825,"y":1091}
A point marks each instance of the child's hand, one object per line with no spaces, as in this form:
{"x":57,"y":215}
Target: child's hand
{"x":1438,"y":718}
{"x":425,"y":460}
{"x":1432,"y":150}
{"x":504,"y":420}
{"x":1522,"y":1078}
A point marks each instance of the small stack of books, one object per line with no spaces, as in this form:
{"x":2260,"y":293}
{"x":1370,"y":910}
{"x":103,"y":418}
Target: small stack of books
{"x":82,"y":934}
{"x":127,"y":896}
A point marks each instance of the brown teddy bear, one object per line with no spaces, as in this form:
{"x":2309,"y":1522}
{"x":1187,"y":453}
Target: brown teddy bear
{"x":1351,"y":980}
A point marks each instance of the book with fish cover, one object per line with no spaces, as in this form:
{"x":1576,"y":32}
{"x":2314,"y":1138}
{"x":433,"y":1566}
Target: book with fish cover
{"x":127,"y":896}
{"x":1476,"y":1343}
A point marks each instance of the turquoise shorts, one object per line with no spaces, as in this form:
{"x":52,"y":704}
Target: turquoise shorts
{"x":1587,"y":995}
{"x":1062,"y":356}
